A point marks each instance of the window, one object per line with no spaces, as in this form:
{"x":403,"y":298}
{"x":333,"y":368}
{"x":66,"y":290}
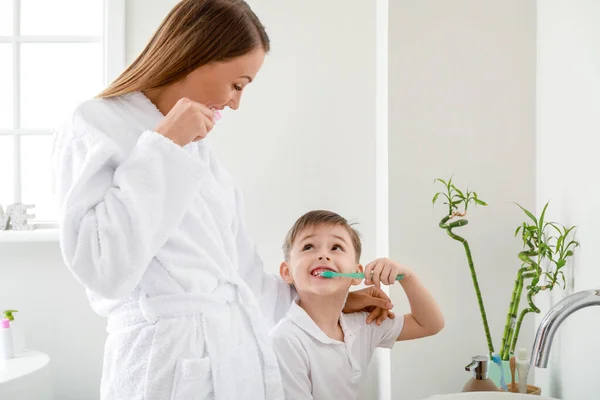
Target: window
{"x":53,"y":55}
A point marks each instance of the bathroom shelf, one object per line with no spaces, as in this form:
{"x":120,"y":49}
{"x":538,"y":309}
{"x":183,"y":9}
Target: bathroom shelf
{"x":33,"y":236}
{"x":26,"y":376}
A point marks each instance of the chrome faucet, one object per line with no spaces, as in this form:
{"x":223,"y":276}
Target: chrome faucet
{"x":554,"y":318}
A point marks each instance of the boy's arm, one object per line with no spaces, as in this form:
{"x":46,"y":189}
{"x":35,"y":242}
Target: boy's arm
{"x":425,"y":318}
{"x":294,"y":366}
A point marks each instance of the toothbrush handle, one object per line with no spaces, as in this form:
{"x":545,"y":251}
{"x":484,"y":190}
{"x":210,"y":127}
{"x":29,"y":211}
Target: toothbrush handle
{"x":399,"y":277}
{"x":360,"y":275}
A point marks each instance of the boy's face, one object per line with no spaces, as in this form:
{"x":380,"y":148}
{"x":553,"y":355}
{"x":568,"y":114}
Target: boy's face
{"x":317,"y":248}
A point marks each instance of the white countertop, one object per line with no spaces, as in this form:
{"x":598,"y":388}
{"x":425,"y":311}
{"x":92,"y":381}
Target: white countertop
{"x":21,"y":365}
{"x":27,"y":376}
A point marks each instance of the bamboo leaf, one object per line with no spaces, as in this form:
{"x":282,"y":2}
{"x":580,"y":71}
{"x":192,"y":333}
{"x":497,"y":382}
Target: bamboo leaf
{"x":567,"y":231}
{"x":530,"y":215}
{"x":572,"y":242}
{"x":541,"y":223}
{"x":547,"y":275}
{"x":435,"y":198}
{"x":559,"y":242}
{"x":556,"y":227}
{"x":480,"y":202}
{"x":458,"y":191}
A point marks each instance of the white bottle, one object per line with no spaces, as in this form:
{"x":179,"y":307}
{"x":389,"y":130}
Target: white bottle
{"x":523,"y":369}
{"x":6,"y":340}
{"x":17,"y":332}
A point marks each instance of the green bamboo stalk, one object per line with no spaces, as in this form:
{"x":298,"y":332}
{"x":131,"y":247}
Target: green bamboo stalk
{"x":513,"y":307}
{"x":511,"y":319}
{"x":448,"y":228}
{"x":512,"y":313}
{"x":534,"y":272}
{"x":532,"y":308}
{"x":455,"y":197}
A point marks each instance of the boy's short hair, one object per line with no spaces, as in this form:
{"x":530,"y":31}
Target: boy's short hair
{"x":315,"y":218}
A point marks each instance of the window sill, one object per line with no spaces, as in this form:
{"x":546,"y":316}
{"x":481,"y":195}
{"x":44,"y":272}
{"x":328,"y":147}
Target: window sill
{"x":34,"y":236}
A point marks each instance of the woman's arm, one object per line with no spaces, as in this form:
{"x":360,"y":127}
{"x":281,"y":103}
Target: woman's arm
{"x":274,"y":295}
{"x":117,"y":210}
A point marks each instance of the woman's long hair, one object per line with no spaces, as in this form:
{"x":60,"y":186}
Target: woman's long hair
{"x":194,"y":33}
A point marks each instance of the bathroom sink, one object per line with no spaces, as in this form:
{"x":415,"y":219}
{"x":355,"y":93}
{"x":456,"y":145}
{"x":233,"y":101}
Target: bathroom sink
{"x":488,"y":396}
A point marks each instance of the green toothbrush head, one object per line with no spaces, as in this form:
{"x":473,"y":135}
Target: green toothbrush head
{"x":327,"y":274}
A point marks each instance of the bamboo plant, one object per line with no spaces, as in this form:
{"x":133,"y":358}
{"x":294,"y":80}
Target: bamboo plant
{"x":545,"y":244}
{"x":456,"y":200}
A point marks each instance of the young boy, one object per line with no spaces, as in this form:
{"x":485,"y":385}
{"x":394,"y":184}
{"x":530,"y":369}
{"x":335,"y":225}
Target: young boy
{"x":322,"y":352}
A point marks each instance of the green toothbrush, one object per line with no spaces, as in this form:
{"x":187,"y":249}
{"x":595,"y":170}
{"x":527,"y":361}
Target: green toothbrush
{"x":359,"y":275}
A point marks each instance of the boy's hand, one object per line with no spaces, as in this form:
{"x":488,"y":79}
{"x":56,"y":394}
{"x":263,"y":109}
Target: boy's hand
{"x":384,"y":270}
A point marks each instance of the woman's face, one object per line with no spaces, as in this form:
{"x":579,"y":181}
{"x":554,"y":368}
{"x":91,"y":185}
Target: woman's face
{"x":220,"y":85}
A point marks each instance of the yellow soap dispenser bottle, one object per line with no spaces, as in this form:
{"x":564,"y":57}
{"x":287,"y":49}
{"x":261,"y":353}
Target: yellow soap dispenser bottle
{"x":480,"y":381}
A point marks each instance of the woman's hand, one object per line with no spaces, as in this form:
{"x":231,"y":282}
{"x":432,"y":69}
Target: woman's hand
{"x":384,"y":270}
{"x":187,"y":122}
{"x":372,"y":300}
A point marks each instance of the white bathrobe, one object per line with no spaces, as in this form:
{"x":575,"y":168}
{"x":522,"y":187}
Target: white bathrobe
{"x":155,"y":232}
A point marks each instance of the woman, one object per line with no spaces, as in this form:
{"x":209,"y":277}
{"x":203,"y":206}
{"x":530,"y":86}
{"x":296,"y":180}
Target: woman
{"x":153,"y":226}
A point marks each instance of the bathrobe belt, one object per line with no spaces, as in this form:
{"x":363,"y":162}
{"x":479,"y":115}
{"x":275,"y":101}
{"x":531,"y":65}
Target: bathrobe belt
{"x":207,"y":305}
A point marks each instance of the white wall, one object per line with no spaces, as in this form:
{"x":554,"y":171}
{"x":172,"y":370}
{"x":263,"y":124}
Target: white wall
{"x":462,"y":102}
{"x":567,"y":165}
{"x":143,"y":18}
{"x":304,"y":138}
{"x":55,"y":315}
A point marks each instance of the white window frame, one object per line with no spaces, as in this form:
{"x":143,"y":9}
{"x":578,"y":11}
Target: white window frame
{"x":113,"y":40}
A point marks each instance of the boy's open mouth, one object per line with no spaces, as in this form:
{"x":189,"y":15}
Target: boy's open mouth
{"x":317,"y":271}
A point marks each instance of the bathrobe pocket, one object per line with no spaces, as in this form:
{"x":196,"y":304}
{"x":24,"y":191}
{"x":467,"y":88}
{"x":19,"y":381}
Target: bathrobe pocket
{"x":193,"y":379}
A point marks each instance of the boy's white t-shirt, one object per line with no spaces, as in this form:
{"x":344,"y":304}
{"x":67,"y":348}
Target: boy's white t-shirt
{"x":315,"y":366}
